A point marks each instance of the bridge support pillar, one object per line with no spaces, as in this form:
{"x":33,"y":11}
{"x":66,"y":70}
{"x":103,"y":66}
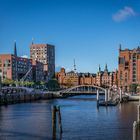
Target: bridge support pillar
{"x":97,"y":97}
{"x":97,"y":94}
{"x":138,"y":114}
{"x":109,"y":94}
{"x":106,"y":95}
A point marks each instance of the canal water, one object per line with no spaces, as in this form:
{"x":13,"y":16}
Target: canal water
{"x":81,"y":120}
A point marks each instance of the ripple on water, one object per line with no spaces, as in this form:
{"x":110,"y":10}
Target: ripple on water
{"x":81,"y":120}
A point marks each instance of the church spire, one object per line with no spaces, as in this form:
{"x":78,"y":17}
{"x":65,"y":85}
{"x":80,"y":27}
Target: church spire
{"x":15,"y":48}
{"x":99,"y":69}
{"x":120,"y":47}
{"x":106,"y":69}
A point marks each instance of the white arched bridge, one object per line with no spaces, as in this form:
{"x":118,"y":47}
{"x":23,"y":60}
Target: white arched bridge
{"x":85,"y":89}
{"x":88,"y":89}
{"x":112,"y":95}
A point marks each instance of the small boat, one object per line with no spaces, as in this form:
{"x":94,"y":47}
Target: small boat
{"x":133,"y":97}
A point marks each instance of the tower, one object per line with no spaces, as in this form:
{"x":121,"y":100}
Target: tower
{"x":15,"y":49}
{"x":106,"y":69}
{"x":99,"y":69}
{"x":120,"y":47}
{"x":74,"y":66}
{"x":44,"y":53}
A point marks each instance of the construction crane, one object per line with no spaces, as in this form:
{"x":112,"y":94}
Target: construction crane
{"x":25,"y":76}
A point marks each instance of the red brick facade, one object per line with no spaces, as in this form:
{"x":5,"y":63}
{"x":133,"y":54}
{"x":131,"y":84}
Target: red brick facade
{"x":44,"y":53}
{"x":128,"y":68}
{"x":13,"y":67}
{"x":102,"y":78}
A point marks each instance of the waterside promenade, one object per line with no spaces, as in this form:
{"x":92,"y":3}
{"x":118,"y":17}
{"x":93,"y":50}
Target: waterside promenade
{"x":13,"y":95}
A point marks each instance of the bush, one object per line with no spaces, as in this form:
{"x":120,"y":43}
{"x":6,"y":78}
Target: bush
{"x":133,"y":88}
{"x":53,"y":85}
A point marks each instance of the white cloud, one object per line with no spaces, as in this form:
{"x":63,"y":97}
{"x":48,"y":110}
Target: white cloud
{"x":25,"y":56}
{"x":124,"y":14}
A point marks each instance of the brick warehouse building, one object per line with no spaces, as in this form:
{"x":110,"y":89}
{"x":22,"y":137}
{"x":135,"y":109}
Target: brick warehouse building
{"x":128,"y":68}
{"x":67,"y":79}
{"x":87,"y":79}
{"x":15,"y":68}
{"x":44,"y":53}
{"x":106,"y":78}
{"x":102,"y":78}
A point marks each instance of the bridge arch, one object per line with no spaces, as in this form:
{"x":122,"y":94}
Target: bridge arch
{"x":80,"y":86}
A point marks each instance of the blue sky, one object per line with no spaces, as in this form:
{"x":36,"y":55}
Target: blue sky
{"x":88,"y":31}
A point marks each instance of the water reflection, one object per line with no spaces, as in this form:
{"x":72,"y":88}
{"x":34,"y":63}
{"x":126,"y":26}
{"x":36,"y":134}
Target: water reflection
{"x":81,"y":119}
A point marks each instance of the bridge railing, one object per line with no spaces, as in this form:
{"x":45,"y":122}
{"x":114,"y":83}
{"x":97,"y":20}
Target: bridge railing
{"x":83,"y":88}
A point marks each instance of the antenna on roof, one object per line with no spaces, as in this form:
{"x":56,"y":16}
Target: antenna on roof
{"x":74,"y":66}
{"x":32,"y":40}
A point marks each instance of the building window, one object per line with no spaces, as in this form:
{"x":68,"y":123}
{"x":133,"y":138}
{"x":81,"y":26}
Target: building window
{"x":0,"y":63}
{"x":125,"y":77}
{"x":121,"y":75}
{"x":5,"y":72}
{"x":121,"y":60}
{"x":7,"y":63}
{"x":126,"y":65}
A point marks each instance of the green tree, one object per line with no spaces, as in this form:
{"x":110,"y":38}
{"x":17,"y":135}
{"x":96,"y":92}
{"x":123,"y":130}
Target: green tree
{"x":53,"y":85}
{"x":8,"y":82}
{"x":40,"y":85}
{"x":28,"y":83}
{"x":133,"y":88}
